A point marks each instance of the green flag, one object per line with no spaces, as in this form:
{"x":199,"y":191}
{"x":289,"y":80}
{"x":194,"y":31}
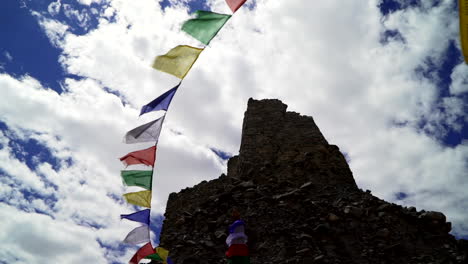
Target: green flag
{"x":205,"y":25}
{"x":138,"y":178}
{"x":154,"y":256}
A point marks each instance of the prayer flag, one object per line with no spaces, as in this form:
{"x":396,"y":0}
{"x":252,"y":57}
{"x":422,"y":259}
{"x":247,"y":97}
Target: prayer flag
{"x":235,"y":4}
{"x":160,"y":103}
{"x":237,"y":234}
{"x":463,"y":9}
{"x":144,"y":156}
{"x":238,"y":260}
{"x":139,"y":178}
{"x":235,"y":225}
{"x":144,"y":251}
{"x":142,"y":198}
{"x":163,"y":253}
{"x":142,"y":216}
{"x":154,"y":256}
{"x":145,"y":133}
{"x":205,"y":25}
{"x":237,"y":250}
{"x":138,"y":235}
{"x":178,"y":60}
{"x":236,"y":238}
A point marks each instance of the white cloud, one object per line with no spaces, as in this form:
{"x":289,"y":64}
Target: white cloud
{"x":327,"y":65}
{"x":89,"y":2}
{"x":459,"y":79}
{"x":79,"y":125}
{"x":54,"y":7}
{"x":54,"y":30}
{"x":8,"y":56}
{"x":36,"y":238}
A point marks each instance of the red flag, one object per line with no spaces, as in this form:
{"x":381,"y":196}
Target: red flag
{"x":144,"y":251}
{"x":237,"y":250}
{"x":144,"y":156}
{"x":235,"y":4}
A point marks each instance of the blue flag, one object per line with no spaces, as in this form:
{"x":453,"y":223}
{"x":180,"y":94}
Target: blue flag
{"x":140,"y":216}
{"x":160,"y":103}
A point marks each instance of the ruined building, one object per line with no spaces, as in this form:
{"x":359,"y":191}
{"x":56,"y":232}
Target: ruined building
{"x":301,"y":205}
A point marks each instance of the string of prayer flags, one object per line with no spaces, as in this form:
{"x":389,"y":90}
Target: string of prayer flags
{"x":144,"y":251}
{"x":160,"y":103}
{"x":238,"y":252}
{"x":142,"y":216}
{"x":178,"y":60}
{"x":205,"y":25}
{"x":235,"y":4}
{"x":138,"y":235}
{"x":144,"y":156}
{"x":142,"y":198}
{"x":148,"y":132}
{"x":141,"y":178}
{"x":463,"y":10}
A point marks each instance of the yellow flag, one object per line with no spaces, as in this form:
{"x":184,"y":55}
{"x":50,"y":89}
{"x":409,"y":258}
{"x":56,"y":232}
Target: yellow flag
{"x":142,"y":198}
{"x":178,"y":60}
{"x":163,"y":253}
{"x":463,"y":9}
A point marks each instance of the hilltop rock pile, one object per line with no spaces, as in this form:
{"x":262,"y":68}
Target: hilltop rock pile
{"x":301,"y":204}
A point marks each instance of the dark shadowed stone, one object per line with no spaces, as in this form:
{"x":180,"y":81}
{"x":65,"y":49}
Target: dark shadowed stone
{"x":300,"y":203}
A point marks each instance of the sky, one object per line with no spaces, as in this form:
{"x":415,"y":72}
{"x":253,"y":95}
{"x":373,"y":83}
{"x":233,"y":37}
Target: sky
{"x":383,"y":79}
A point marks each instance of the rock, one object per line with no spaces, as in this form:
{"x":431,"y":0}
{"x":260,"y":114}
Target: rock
{"x":383,"y":207}
{"x":247,"y":184}
{"x":284,"y":195}
{"x":434,"y":216}
{"x":319,"y":258}
{"x":354,"y":211}
{"x":220,"y":234}
{"x":304,"y":250}
{"x":332,"y":217}
{"x":383,"y":233}
{"x":322,"y":228}
{"x":208,"y":244}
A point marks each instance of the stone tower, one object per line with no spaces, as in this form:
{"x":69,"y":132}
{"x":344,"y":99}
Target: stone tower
{"x":301,"y":205}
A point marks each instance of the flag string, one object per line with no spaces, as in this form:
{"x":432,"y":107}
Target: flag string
{"x":178,"y":62}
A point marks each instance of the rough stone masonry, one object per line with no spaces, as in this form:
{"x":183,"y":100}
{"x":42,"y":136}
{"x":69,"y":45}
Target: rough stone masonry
{"x":301,"y":205}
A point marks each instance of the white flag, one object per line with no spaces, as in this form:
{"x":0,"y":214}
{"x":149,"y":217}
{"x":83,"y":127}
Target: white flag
{"x":236,"y":238}
{"x":148,"y":132}
{"x":237,"y":235}
{"x":138,"y":235}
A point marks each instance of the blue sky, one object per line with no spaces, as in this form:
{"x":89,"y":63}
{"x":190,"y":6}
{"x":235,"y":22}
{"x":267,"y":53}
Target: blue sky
{"x":75,"y":70}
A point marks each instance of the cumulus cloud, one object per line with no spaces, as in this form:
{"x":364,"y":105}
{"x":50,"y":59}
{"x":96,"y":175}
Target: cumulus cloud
{"x":379,"y":101}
